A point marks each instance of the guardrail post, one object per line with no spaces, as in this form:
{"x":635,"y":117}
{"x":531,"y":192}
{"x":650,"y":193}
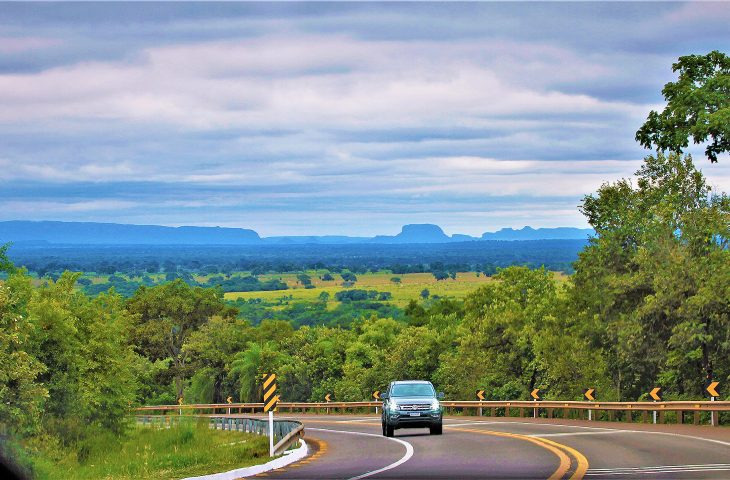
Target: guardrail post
{"x":522,"y":412}
{"x":714,"y":416}
{"x":661,"y":416}
{"x":696,"y":420}
{"x":628,"y":416}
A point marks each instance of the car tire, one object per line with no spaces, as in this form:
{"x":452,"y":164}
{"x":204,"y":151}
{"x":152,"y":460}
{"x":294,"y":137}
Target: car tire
{"x":437,"y":429}
{"x":389,"y":430}
{"x":385,"y":433}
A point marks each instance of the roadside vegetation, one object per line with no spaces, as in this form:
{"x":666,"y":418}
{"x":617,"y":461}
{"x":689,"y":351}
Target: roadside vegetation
{"x":648,"y":305}
{"x":153,"y":453}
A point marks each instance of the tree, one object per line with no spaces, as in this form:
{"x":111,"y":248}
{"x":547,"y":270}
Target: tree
{"x":22,"y":395}
{"x":496,"y":341}
{"x":440,"y":275}
{"x":698,"y":107}
{"x":657,"y":274}
{"x":324,"y":297}
{"x":396,"y":280}
{"x":348,"y":277}
{"x":425,"y":293}
{"x":165,"y":316}
{"x":211,"y":351}
{"x":249,"y":365}
{"x":304,"y":279}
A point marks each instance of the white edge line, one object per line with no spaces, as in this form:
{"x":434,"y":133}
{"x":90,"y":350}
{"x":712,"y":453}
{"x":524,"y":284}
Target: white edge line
{"x":650,"y":432}
{"x":660,"y":467}
{"x":659,"y":471}
{"x":403,"y":459}
{"x":572,"y":434}
{"x":294,"y":456}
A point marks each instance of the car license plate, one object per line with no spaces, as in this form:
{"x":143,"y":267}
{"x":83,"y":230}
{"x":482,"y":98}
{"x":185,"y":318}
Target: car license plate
{"x":415,"y":414}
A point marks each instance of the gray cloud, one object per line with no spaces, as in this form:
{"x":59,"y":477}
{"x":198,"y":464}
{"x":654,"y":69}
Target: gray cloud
{"x":306,"y":118}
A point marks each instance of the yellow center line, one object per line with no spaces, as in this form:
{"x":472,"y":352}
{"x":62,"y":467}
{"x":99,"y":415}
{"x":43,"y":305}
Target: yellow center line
{"x":564,"y":459}
{"x":582,"y":467}
{"x":558,"y":449}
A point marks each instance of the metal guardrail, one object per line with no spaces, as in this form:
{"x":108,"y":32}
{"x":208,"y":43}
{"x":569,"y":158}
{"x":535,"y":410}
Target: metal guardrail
{"x":627,"y":411}
{"x":286,"y":432}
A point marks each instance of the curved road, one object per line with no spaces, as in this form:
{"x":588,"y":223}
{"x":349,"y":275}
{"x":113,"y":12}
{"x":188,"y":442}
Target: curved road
{"x":352,"y":447}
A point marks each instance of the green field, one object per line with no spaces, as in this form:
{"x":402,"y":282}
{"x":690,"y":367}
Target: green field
{"x":411,"y":286}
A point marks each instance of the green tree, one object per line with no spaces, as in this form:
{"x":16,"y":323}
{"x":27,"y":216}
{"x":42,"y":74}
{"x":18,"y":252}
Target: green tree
{"x":496,"y":341}
{"x":656,"y":275}
{"x":22,"y":395}
{"x":698,"y":107}
{"x":164,"y":318}
{"x":211,"y":350}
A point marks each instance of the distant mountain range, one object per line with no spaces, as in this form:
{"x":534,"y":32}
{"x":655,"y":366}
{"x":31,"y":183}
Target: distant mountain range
{"x":90,"y":233}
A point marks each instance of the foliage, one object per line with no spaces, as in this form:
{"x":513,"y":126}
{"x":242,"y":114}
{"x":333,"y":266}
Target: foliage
{"x":698,"y":107}
{"x":166,"y":315}
{"x":22,"y":394}
{"x":155,"y":453}
{"x":657,"y":275}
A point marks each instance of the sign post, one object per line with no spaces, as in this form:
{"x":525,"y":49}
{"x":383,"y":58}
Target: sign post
{"x":656,"y":394}
{"x":535,"y":397}
{"x":376,"y":396}
{"x":230,"y":401}
{"x":590,"y":395}
{"x":480,"y":397}
{"x":270,"y":401}
{"x":712,"y":390}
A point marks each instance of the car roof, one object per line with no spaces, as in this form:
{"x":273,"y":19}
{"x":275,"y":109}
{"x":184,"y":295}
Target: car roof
{"x":412,"y":381}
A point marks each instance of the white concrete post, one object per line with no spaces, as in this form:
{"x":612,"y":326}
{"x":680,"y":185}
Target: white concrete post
{"x":271,"y":433}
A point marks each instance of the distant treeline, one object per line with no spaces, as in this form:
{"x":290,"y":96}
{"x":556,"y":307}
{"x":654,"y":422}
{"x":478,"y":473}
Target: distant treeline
{"x":137,"y":261}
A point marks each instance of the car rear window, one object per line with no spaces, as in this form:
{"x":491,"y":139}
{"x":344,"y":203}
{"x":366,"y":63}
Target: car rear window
{"x":412,"y":390}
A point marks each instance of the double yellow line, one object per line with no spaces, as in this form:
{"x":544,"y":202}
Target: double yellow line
{"x":563,"y":452}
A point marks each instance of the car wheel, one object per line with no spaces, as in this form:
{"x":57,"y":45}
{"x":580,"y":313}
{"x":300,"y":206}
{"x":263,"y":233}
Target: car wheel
{"x":389,"y":430}
{"x":385,"y":434}
{"x":437,"y":429}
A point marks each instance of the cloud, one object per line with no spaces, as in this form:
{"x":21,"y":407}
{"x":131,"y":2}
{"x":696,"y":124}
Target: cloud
{"x":292,"y":118}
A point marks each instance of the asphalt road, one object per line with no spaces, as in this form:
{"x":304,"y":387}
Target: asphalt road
{"x":352,"y":447}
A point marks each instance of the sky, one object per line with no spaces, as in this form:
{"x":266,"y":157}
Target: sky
{"x":333,"y":118}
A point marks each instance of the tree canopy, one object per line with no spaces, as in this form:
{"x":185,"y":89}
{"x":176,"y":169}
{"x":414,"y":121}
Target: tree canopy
{"x":698,"y":107}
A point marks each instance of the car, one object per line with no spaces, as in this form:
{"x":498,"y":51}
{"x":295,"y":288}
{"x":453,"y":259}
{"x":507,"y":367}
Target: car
{"x":412,"y":404}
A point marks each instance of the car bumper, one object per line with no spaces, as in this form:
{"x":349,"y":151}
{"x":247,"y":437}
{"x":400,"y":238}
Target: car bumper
{"x":406,"y":420}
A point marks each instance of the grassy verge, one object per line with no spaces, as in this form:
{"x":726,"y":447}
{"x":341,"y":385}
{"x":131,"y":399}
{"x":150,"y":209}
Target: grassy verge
{"x":154,"y":453}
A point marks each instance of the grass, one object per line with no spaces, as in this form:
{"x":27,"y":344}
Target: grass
{"x":154,"y":453}
{"x":409,"y":288}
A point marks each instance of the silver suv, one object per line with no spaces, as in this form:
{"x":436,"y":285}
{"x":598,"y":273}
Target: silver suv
{"x":412,"y":404}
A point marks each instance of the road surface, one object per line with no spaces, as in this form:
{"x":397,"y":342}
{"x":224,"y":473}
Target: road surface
{"x":352,"y":447}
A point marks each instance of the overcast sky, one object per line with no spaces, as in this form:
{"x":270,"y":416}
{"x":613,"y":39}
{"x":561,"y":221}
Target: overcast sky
{"x":333,"y":118}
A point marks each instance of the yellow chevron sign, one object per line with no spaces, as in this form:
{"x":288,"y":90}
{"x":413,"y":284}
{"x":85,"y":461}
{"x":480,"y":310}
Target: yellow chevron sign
{"x":376,"y":394}
{"x":589,"y":394}
{"x":270,"y":397}
{"x":712,"y":389}
{"x":229,"y":399}
{"x":180,"y":401}
{"x":534,"y":394}
{"x":480,"y":394}
{"x":327,"y":397}
{"x":656,"y":394}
